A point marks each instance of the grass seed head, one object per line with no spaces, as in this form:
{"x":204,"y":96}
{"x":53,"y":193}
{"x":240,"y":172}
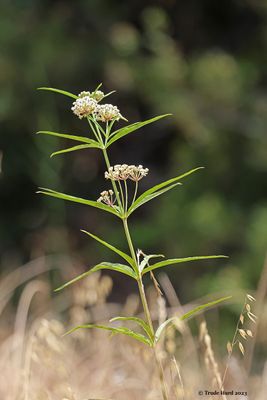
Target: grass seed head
{"x":250,"y":298}
{"x":241,"y":348}
{"x":229,"y":347}
{"x":242,"y":333}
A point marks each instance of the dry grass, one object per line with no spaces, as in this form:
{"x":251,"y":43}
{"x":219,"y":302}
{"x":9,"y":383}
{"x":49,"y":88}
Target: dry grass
{"x":37,"y":363}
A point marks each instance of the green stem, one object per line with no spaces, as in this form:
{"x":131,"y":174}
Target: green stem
{"x":110,"y":127}
{"x":130,"y":244}
{"x":112,"y":182}
{"x":139,"y":280}
{"x":126,"y":196}
{"x":135,"y":192}
{"x":122,"y":196}
{"x":99,"y":128}
{"x":144,"y":304}
{"x":129,"y":240}
{"x":98,"y":136}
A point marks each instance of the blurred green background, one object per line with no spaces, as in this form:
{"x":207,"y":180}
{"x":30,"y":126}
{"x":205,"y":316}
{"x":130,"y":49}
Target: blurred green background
{"x":202,"y":61}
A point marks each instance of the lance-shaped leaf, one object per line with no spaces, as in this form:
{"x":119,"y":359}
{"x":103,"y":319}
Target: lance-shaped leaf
{"x":122,"y":330}
{"x":164,"y":263}
{"x":109,"y":93}
{"x":82,"y":139}
{"x":111,"y":247}
{"x":124,"y":269}
{"x":203,"y":307}
{"x":116,"y":135}
{"x":156,"y":190}
{"x":75,"y":148}
{"x":139,"y":321}
{"x":97,"y":88}
{"x":73,"y":96}
{"x":188,"y":315}
{"x":164,"y":326}
{"x":140,"y":201}
{"x":63,"y":196}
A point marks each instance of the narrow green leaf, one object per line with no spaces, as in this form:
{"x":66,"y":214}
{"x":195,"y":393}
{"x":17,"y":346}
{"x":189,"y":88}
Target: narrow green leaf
{"x":59,"y":91}
{"x":63,"y":196}
{"x":111,"y":247}
{"x":140,"y":201}
{"x":109,"y":93}
{"x":97,"y":88}
{"x":139,"y":321}
{"x":75,"y":148}
{"x":122,"y":330}
{"x":179,"y":260}
{"x":156,"y":189}
{"x":190,"y":313}
{"x":146,"y":259}
{"x":116,"y":135}
{"x":162,"y":327}
{"x":82,"y":139}
{"x":124,"y":269}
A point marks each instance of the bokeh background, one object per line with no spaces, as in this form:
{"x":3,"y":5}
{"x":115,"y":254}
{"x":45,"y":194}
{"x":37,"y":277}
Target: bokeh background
{"x":202,"y":61}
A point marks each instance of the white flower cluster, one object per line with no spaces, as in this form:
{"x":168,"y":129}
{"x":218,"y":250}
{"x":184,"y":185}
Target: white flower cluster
{"x":87,"y":104}
{"x":107,"y":112}
{"x":98,"y":95}
{"x":106,"y":197}
{"x":121,"y":172}
{"x":84,"y":106}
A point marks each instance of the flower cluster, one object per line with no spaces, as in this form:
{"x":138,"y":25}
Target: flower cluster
{"x":87,"y":104}
{"x":107,"y":112}
{"x":106,"y":197}
{"x":122,"y":172}
{"x":84,"y":106}
{"x":97,"y":95}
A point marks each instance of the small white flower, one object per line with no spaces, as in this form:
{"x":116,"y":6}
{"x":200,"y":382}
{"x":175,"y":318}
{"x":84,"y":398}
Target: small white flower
{"x":84,"y":94}
{"x":106,"y":197}
{"x":84,"y":106}
{"x":87,"y":104}
{"x":107,"y":112}
{"x":137,"y":172}
{"x":98,"y":95}
{"x":124,"y":171}
{"x":117,"y":173}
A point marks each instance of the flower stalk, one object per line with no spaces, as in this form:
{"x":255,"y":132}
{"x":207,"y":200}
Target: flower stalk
{"x":101,"y":119}
{"x":112,"y":182}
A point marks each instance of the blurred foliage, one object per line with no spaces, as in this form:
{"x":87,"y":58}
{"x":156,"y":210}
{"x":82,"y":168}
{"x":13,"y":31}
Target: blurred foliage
{"x":202,"y":61}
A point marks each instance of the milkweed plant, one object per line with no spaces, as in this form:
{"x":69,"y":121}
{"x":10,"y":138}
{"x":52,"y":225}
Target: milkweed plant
{"x":122,"y":198}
